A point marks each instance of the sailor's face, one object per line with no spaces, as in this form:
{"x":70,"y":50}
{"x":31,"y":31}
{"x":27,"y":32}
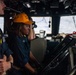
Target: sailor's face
{"x":25,"y":29}
{"x":2,"y":6}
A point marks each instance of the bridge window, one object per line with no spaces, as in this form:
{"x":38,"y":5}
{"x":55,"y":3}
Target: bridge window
{"x":67,"y":24}
{"x":2,"y":23}
{"x":42,"y":24}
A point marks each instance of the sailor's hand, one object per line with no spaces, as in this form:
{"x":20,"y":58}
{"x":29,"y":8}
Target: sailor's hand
{"x":4,"y":65}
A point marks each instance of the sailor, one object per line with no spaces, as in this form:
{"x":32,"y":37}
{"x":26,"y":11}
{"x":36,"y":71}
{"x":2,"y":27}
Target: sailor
{"x":19,"y":38}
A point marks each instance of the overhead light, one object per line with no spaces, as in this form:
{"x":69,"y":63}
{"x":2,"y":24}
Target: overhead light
{"x":66,"y":7}
{"x":67,"y":4}
{"x":27,"y":5}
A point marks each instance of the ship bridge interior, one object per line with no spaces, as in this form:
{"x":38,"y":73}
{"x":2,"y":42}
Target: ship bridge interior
{"x":58,"y":59}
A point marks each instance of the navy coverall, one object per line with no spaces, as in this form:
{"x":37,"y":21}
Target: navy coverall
{"x":21,"y":51}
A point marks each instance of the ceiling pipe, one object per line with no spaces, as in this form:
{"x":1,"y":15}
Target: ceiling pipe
{"x":9,"y":9}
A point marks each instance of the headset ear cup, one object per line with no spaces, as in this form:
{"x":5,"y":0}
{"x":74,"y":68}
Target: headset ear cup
{"x":34,"y":25}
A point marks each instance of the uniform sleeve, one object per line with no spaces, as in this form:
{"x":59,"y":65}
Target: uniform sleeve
{"x":6,"y":49}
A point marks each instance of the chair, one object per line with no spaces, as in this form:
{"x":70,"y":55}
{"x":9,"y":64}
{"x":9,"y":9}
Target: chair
{"x":38,"y":48}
